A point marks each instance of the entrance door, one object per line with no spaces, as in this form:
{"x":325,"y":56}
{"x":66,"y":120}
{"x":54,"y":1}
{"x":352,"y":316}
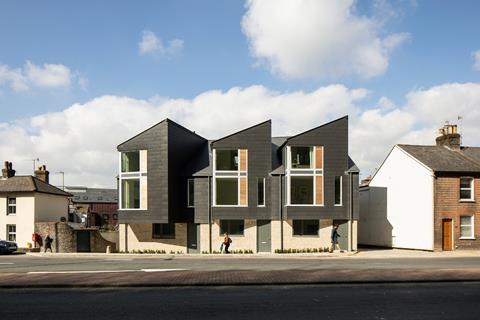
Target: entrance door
{"x":447,"y":243}
{"x":343,"y":233}
{"x":193,"y":238}
{"x":264,"y":236}
{"x":83,"y":241}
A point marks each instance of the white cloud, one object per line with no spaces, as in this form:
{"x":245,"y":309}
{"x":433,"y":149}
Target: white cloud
{"x":82,"y":139}
{"x":151,"y":44}
{"x":317,"y":39}
{"x":31,"y":75}
{"x":476,"y":58}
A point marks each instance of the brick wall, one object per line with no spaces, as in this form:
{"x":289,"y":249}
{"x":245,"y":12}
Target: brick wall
{"x":448,"y":206}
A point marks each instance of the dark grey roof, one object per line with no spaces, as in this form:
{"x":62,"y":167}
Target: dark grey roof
{"x":225,"y":137}
{"x":201,"y":164}
{"x":442,"y":159}
{"x":29,"y":184}
{"x":93,"y":195}
{"x":472,"y":152}
{"x":352,"y":167}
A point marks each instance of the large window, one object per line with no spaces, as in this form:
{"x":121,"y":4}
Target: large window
{"x":338,"y":191}
{"x":226,"y":160}
{"x":190,"y":193}
{"x":466,"y":227}
{"x":163,"y":231}
{"x":302,"y":157}
{"x":227,"y":191}
{"x":466,"y":188}
{"x":11,"y":232}
{"x":261,"y":191}
{"x":11,"y":206}
{"x":130,"y":193}
{"x":301,"y":190}
{"x":232,"y":227}
{"x":131,"y":161}
{"x":305,"y":227}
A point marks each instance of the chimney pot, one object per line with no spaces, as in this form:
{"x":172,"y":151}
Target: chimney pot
{"x":449,"y":137}
{"x":42,"y":174}
{"x":7,"y":171}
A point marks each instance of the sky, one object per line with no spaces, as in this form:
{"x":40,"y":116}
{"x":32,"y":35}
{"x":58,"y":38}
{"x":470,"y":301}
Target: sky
{"x":79,"y":78}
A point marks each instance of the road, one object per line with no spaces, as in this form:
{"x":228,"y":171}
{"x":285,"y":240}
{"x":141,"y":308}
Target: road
{"x":366,"y":301}
{"x":53,"y":263}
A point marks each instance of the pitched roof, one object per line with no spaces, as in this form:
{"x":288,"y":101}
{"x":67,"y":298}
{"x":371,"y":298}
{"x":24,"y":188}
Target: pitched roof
{"x":93,"y":195}
{"x":29,"y":184}
{"x":442,"y":159}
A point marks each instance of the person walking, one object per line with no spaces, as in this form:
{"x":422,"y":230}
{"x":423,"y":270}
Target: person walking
{"x":226,"y":242}
{"x":48,"y":243}
{"x":334,"y":237}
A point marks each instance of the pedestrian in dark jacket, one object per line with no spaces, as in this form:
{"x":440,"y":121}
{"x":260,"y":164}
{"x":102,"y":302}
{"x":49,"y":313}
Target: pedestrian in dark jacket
{"x":48,"y":243}
{"x":334,"y":237}
{"x":226,"y":242}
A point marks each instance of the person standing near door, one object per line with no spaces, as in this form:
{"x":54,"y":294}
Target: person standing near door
{"x":334,"y":237}
{"x":226,"y":242}
{"x":48,"y":243}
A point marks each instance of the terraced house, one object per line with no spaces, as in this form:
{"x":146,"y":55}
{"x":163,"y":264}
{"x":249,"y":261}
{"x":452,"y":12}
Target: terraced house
{"x":180,"y":192}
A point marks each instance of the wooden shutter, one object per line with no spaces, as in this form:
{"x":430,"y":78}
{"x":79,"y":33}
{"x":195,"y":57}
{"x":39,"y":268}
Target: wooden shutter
{"x":319,"y":157}
{"x":243,"y":159}
{"x":243,"y":191}
{"x":319,"y":190}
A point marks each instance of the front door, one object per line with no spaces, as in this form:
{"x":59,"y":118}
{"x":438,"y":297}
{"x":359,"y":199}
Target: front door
{"x":264,"y":236}
{"x":83,"y":241}
{"x":193,"y":238}
{"x":343,"y":233}
{"x":447,"y":243}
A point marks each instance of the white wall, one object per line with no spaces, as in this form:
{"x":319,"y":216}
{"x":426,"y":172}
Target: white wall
{"x":23,"y":219}
{"x":50,"y":208}
{"x":397,"y":208}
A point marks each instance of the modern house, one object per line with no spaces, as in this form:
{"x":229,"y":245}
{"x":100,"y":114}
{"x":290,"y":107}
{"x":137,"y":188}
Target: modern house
{"x":181,"y":192}
{"x":424,"y":197}
{"x":95,"y":207}
{"x":27,"y":200}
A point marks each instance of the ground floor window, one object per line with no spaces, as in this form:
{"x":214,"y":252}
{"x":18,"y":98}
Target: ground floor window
{"x":306,"y":227}
{"x":163,"y":231}
{"x":233,"y":227}
{"x":11,"y":232}
{"x":466,"y":227}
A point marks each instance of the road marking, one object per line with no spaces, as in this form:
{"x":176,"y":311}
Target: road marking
{"x":103,"y":271}
{"x":118,"y":259}
{"x":6,"y":263}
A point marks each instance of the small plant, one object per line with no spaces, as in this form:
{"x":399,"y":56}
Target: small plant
{"x":172,"y":252}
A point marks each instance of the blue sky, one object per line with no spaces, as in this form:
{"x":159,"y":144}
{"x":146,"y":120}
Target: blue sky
{"x":422,"y":77}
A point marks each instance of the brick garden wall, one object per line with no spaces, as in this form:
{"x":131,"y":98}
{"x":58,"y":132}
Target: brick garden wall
{"x":448,"y":206}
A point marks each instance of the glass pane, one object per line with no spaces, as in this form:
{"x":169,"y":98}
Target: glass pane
{"x":131,"y":161}
{"x":465,"y":194}
{"x":301,"y":190}
{"x":227,"y":191}
{"x":191,"y":193}
{"x":261,"y":197}
{"x":227,"y":160}
{"x":465,"y":182}
{"x":465,"y":221}
{"x":232,"y":227}
{"x":297,"y":227}
{"x":310,"y":227}
{"x":12,"y":201}
{"x":465,"y":232}
{"x":302,"y":157}
{"x":131,"y":194}
{"x":338,"y":191}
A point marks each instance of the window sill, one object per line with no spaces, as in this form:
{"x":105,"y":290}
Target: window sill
{"x":11,"y":214}
{"x":467,"y":200}
{"x":229,"y":206}
{"x":304,"y":205}
{"x":467,"y":238}
{"x":338,"y":205}
{"x":132,"y":209}
{"x":305,"y":236}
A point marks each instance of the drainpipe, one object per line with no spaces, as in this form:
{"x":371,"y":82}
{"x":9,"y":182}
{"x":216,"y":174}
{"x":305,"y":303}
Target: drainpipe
{"x":209,"y":215}
{"x":281,"y":212}
{"x":350,"y":213}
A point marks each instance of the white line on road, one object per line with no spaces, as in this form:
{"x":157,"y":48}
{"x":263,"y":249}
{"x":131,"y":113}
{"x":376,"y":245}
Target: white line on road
{"x":6,"y":263}
{"x":103,"y":271}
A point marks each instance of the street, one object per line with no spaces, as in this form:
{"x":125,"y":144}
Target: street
{"x":365,"y":301}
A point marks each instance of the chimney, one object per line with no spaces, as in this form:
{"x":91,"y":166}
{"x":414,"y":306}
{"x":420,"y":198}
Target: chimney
{"x":449,"y":137}
{"x":42,"y":174}
{"x":7,"y":171}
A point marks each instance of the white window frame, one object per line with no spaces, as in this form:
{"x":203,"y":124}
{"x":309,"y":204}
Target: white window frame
{"x":341,"y":192}
{"x":137,"y":175}
{"x":472,"y":228}
{"x":261,"y":179}
{"x":12,"y":233}
{"x":472,"y":189}
{"x":298,"y":173}
{"x":222,"y":174}
{"x":188,"y":193}
{"x":10,"y":205}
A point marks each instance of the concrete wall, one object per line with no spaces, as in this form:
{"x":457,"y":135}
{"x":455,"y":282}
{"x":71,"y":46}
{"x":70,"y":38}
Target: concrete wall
{"x":406,"y":204}
{"x":24,"y":219}
{"x":247,"y":241}
{"x":140,"y":238}
{"x":322,"y":240}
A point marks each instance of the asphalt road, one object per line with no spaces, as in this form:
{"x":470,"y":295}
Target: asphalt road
{"x":53,"y":263}
{"x":370,"y":301}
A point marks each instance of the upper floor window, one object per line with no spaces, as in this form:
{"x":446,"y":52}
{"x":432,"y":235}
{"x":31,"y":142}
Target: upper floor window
{"x":130,"y":193}
{"x":261,"y":192}
{"x":190,"y":193}
{"x":227,"y":191}
{"x":301,"y":190}
{"x":226,"y":160}
{"x":301,"y":157}
{"x":466,"y":227}
{"x":12,"y":206}
{"x":338,"y":191}
{"x":131,"y":161}
{"x":466,"y":188}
